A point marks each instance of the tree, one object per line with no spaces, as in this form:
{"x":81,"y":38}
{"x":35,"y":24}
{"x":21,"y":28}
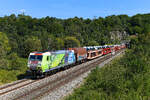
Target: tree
{"x":92,"y":43}
{"x":55,"y":43}
{"x":146,"y":28}
{"x":137,"y":29}
{"x":136,"y":20}
{"x":59,"y":43}
{"x":32,"y":44}
{"x":51,"y":42}
{"x":71,"y":42}
{"x":4,"y":50}
{"x":14,"y":62}
{"x":4,"y":44}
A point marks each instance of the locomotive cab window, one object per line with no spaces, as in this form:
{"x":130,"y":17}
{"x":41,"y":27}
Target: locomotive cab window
{"x":36,"y":57}
{"x":47,"y":58}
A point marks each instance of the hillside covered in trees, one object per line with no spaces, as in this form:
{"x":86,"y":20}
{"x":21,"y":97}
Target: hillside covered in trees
{"x":127,"y":78}
{"x":22,"y":34}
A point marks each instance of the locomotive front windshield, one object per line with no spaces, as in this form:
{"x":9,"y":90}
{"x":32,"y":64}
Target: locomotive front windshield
{"x":36,"y":57}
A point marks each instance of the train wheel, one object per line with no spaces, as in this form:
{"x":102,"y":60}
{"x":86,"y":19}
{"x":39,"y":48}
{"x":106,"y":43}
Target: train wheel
{"x":34,"y":74}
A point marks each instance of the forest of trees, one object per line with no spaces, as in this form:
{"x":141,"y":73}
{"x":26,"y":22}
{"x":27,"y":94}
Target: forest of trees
{"x":22,"y":34}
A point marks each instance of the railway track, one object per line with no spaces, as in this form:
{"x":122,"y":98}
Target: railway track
{"x":50,"y":85}
{"x":12,"y":84}
{"x":16,"y":85}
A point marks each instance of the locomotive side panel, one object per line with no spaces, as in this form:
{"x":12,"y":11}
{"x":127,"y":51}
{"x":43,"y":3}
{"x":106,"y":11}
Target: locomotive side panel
{"x":62,"y":58}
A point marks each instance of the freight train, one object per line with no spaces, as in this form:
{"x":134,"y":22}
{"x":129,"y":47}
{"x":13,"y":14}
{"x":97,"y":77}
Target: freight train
{"x":41,"y":63}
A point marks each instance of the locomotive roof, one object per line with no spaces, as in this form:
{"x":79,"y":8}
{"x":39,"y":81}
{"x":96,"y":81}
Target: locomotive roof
{"x":62,"y":51}
{"x":40,"y":53}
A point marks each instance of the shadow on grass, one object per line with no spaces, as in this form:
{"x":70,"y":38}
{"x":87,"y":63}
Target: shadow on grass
{"x":25,"y":75}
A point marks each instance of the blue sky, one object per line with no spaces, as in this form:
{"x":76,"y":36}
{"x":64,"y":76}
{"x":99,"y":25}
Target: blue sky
{"x":71,"y":8}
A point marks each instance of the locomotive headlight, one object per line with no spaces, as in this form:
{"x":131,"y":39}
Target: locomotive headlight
{"x":28,"y":64}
